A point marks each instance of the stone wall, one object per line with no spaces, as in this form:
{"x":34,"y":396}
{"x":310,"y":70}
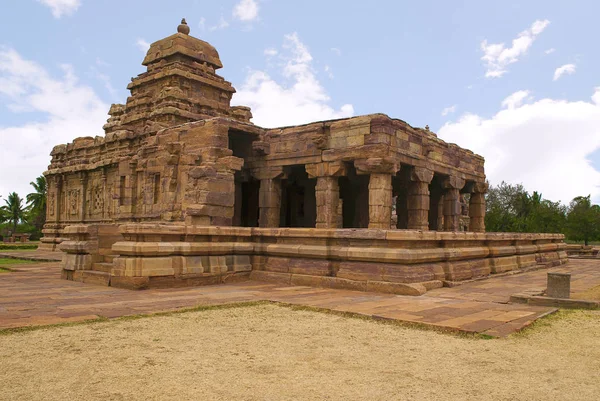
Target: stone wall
{"x":402,"y":262}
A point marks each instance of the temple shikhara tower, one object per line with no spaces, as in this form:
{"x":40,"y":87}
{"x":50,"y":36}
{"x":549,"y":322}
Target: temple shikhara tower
{"x":183,"y":189}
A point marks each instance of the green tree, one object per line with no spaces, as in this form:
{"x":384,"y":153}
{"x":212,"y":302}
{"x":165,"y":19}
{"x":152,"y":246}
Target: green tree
{"x":510,"y":208}
{"x":14,"y":212}
{"x":583,"y":220}
{"x":504,"y":206}
{"x":36,"y":203}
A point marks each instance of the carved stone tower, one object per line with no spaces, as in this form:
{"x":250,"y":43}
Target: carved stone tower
{"x":179,"y":86}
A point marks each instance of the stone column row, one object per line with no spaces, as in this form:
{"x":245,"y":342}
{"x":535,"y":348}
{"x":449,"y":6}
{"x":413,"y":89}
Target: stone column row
{"x":380,"y":197}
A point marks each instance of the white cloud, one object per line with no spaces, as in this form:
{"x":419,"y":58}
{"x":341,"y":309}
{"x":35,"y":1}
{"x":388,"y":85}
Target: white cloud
{"x":515,"y":100}
{"x":246,"y":10}
{"x":142,"y":45}
{"x":222,"y":24}
{"x":328,"y":71}
{"x":497,"y":57}
{"x":449,"y":110}
{"x":300,"y":99}
{"x":61,"y":7}
{"x":202,"y":23}
{"x":550,"y":51}
{"x":270,"y":52}
{"x":565,"y":69}
{"x":544,"y":145}
{"x":337,"y":51}
{"x":64,"y":109}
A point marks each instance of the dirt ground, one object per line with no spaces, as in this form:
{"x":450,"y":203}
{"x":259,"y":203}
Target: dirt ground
{"x":270,"y":352}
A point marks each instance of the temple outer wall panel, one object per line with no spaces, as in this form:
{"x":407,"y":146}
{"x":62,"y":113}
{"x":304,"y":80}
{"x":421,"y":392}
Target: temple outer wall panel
{"x":402,"y":262}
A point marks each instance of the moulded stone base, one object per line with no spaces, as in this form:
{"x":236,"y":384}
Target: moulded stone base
{"x":503,"y":264}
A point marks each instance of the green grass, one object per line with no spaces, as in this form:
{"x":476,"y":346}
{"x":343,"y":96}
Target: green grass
{"x":11,"y":261}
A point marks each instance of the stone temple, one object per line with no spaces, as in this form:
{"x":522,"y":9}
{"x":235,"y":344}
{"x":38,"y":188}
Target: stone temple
{"x":183,"y":189}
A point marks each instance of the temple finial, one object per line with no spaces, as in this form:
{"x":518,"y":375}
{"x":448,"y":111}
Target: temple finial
{"x":183,"y":27}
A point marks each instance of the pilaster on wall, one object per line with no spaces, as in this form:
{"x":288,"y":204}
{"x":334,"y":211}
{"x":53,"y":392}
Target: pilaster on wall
{"x":418,"y":198}
{"x":477,"y":207}
{"x":452,"y":209}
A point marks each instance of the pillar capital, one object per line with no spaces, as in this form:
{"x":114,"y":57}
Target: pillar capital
{"x":421,"y":174}
{"x":268,"y":173}
{"x":326,"y":169}
{"x":480,"y":187}
{"x":378,"y":165}
{"x":453,"y":182}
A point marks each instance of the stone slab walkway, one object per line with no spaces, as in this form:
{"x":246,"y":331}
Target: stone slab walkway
{"x":35,"y":295}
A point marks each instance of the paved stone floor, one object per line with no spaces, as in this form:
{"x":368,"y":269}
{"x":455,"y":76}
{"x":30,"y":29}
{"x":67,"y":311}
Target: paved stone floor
{"x":35,"y":295}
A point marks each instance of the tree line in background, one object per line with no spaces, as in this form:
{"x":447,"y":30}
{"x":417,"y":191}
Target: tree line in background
{"x":510,"y":208}
{"x":28,"y":215}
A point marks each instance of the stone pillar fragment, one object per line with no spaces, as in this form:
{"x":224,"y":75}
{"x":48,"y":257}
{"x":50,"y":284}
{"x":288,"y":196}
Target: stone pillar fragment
{"x":452,"y":209}
{"x":380,"y":200}
{"x":418,"y":198}
{"x":477,"y":208}
{"x":328,"y":196}
{"x":269,"y":202}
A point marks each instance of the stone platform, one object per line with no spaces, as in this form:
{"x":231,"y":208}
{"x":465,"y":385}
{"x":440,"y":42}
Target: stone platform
{"x":35,"y":295}
{"x":404,"y":262}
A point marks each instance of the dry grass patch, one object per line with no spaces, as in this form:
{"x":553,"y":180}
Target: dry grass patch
{"x":592,"y":294}
{"x":270,"y":352}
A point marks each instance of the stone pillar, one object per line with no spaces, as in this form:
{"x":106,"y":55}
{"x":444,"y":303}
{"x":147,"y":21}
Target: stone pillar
{"x":440,"y":214}
{"x":453,"y":185}
{"x":269,"y":202}
{"x":418,"y":198}
{"x":380,"y":200}
{"x":477,"y":207}
{"x":327,"y":192}
{"x":328,"y":196}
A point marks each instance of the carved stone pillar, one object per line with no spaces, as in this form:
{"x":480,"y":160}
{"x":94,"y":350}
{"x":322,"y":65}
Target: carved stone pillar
{"x":380,"y":200}
{"x":269,"y":196}
{"x":269,"y":202}
{"x":418,"y":198}
{"x":381,"y":171}
{"x":328,"y":196}
{"x":327,"y":192}
{"x":477,"y":207}
{"x":453,"y":185}
{"x":440,"y":214}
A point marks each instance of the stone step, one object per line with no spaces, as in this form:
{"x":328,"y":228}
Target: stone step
{"x":92,"y":277}
{"x":110,"y":258}
{"x":102,"y":267}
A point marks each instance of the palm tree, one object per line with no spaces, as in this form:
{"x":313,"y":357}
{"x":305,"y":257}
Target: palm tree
{"x":13,"y":211}
{"x":36,"y":201}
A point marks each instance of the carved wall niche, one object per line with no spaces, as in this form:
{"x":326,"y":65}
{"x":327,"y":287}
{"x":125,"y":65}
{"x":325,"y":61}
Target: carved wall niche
{"x":73,"y":202}
{"x":51,"y":203}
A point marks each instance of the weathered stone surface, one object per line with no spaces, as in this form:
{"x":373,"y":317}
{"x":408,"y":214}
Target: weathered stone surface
{"x":179,"y":167}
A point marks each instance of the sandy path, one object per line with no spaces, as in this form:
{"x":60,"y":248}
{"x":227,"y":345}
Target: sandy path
{"x":271,"y":352}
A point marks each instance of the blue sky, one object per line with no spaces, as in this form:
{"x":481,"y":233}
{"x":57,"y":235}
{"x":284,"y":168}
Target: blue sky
{"x":441,"y":63}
